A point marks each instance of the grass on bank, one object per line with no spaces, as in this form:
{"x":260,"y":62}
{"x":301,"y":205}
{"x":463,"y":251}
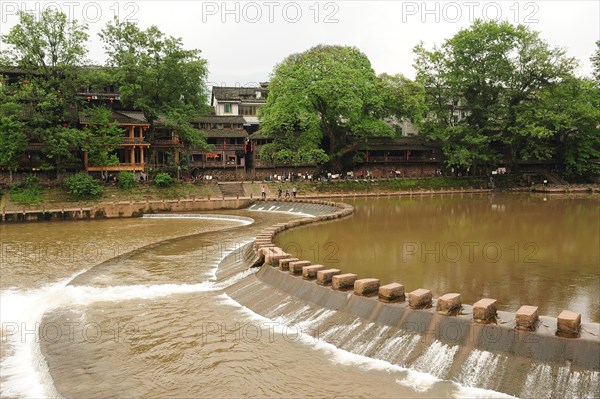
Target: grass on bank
{"x":57,"y":197}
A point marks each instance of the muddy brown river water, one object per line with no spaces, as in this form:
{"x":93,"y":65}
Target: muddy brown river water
{"x":141,"y":307}
{"x":520,"y":249}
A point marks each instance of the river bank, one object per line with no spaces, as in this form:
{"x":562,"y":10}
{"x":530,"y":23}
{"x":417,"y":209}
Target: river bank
{"x":46,"y":197}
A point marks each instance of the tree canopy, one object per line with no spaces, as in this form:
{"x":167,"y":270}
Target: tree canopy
{"x":322,"y":103}
{"x":50,"y":52}
{"x":477,"y":84}
{"x":158,"y":76}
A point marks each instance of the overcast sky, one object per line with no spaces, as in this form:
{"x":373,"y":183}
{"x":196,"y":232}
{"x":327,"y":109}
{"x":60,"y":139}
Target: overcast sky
{"x":243,"y":40}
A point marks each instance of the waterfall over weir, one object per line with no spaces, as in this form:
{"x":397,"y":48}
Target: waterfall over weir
{"x":432,"y":349}
{"x":443,"y":362}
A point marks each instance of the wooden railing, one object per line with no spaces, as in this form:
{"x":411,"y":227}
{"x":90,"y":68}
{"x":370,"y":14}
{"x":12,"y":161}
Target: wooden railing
{"x":138,"y":167}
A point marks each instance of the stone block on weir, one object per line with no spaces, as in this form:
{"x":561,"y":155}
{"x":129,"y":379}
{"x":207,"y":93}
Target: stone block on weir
{"x":420,"y":298}
{"x":484,"y":309}
{"x":277,"y":257}
{"x":310,"y":272}
{"x":324,"y":277}
{"x":284,"y":264}
{"x":296,"y":266}
{"x":448,"y":303}
{"x":366,"y":286}
{"x":391,"y":292}
{"x":569,"y":322}
{"x":527,"y":317}
{"x":343,"y":281}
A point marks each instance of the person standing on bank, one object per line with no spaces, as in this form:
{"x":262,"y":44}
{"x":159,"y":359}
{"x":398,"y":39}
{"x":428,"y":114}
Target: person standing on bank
{"x":279,"y":191}
{"x":287,"y":193}
{"x":294,"y":191}
{"x":262,"y":192}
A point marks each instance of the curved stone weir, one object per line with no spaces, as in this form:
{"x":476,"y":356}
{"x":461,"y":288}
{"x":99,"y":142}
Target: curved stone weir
{"x":520,"y":354}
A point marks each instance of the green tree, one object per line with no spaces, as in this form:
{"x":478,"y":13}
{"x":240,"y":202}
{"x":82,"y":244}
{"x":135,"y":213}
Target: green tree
{"x":477,"y":82}
{"x":50,"y":51}
{"x":100,"y":137}
{"x":159,"y":77}
{"x":564,"y":119}
{"x":322,"y":104}
{"x":13,"y":134}
{"x":404,"y":99}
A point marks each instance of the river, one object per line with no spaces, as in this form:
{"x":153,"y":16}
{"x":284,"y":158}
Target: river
{"x":141,"y":308}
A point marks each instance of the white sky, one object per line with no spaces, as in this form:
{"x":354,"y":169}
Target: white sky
{"x":243,"y":40}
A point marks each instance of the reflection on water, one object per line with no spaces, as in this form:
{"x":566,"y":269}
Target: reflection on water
{"x":519,"y":249}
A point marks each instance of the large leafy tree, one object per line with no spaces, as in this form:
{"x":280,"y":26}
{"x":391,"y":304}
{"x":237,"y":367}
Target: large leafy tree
{"x":404,"y":99}
{"x":13,"y":134}
{"x":100,"y":136}
{"x":478,"y":81}
{"x":159,"y":77}
{"x":564,"y":118}
{"x":49,"y":52}
{"x":322,"y":103}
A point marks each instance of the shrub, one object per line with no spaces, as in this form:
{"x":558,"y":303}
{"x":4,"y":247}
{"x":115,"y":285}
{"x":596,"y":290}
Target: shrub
{"x":163,"y":180}
{"x":127,"y":180}
{"x":32,"y":181}
{"x":83,"y":185}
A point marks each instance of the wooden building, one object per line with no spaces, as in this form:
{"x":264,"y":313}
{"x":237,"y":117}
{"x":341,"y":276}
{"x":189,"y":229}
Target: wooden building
{"x":131,"y":152}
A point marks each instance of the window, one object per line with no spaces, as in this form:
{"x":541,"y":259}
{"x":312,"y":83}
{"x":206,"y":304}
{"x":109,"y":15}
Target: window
{"x":227,"y":108}
{"x":247,"y":110}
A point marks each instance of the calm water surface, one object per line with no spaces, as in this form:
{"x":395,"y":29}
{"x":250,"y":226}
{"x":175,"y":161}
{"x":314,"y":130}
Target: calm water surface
{"x":519,"y":249}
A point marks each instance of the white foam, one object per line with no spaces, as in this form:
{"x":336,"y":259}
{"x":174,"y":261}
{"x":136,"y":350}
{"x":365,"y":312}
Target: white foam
{"x":228,"y":218}
{"x":437,"y":359}
{"x":24,"y":370}
{"x":478,"y":393}
{"x":289,"y":212}
{"x":418,"y":381}
{"x":415,"y":379}
{"x":235,"y":278}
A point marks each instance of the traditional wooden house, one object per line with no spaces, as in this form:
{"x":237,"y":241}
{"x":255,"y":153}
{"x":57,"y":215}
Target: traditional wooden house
{"x":240,"y":101}
{"x":407,"y":156}
{"x":131,"y":152}
{"x":229,"y":147}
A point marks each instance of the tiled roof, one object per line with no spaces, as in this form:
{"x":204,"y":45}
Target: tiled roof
{"x":391,"y":143}
{"x":245,"y":94}
{"x":121,"y":117}
{"x":225,"y":133}
{"x":221,"y":119}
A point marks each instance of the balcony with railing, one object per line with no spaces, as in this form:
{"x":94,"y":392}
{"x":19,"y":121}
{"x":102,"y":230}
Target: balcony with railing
{"x":128,"y":141}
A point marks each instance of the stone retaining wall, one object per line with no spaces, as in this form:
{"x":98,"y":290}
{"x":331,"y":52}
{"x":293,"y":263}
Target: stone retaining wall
{"x":125,"y":209}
